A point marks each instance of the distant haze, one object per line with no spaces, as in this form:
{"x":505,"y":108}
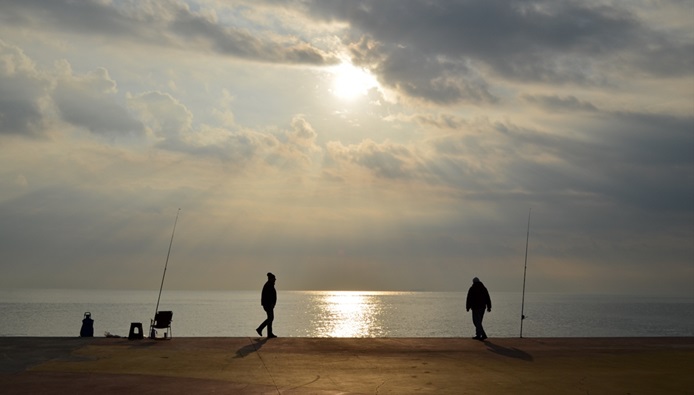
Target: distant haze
{"x":352,"y":145}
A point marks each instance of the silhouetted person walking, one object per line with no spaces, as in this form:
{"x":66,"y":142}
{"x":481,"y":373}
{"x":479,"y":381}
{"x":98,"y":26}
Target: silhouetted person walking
{"x":478,"y":300}
{"x":268,"y":299}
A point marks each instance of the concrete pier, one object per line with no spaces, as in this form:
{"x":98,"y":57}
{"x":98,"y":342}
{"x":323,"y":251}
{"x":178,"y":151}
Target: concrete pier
{"x":346,"y":366}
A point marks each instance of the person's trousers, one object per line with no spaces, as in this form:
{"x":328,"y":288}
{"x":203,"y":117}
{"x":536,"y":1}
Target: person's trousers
{"x":268,"y":322}
{"x":477,"y":316}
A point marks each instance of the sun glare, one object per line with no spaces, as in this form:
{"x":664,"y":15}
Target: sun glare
{"x":350,"y":82}
{"x":352,"y":314}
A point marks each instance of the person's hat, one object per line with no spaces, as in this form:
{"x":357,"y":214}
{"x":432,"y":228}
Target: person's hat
{"x":270,"y":275}
{"x":475,"y":280}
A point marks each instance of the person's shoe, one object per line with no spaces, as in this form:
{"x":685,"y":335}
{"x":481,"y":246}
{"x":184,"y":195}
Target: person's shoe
{"x":476,"y":338}
{"x":271,"y":336}
{"x":260,"y":332}
{"x":483,"y":338}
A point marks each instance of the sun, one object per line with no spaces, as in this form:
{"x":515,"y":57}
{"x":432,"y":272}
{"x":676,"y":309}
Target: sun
{"x":350,"y":82}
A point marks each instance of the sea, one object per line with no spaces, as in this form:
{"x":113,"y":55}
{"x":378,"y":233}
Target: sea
{"x":354,"y":314}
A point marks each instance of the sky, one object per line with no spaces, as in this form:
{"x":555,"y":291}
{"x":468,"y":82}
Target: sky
{"x":348,"y":145}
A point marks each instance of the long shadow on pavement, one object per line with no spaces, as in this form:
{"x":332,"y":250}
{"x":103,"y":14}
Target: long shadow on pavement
{"x":255,"y":346}
{"x":508,"y":352}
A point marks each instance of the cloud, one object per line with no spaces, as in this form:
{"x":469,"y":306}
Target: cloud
{"x":166,"y":117}
{"x":387,"y":160}
{"x":298,"y":148}
{"x":30,"y":98}
{"x":302,"y":133}
{"x":174,"y":129}
{"x":556,"y":103}
{"x":23,"y":92}
{"x":33,"y":99}
{"x":88,"y":101}
{"x":243,"y":44}
{"x":446,"y":52}
{"x":636,"y":159}
{"x":171,"y":123}
{"x":169,"y":23}
{"x":439,"y":121}
{"x":580,"y":110}
{"x":619,"y":159}
{"x":430,"y":78}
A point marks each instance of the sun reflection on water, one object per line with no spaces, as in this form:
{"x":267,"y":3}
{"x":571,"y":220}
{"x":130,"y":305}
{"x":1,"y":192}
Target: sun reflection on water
{"x":348,"y":314}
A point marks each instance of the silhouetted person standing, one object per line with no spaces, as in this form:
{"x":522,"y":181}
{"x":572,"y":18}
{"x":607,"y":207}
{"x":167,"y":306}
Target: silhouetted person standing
{"x":478,"y":300}
{"x":268,"y":299}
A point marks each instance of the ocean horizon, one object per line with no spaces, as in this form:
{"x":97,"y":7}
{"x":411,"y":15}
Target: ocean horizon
{"x":59,"y":312}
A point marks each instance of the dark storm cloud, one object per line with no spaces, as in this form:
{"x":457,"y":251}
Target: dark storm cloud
{"x":643,"y":161}
{"x":163,"y":23}
{"x":425,"y":76}
{"x":656,"y":139}
{"x":419,"y":46}
{"x":652,"y":162}
{"x":666,"y":60}
{"x":621,"y":159}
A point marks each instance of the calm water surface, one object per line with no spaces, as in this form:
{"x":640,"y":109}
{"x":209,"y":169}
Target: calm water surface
{"x":344,"y":314}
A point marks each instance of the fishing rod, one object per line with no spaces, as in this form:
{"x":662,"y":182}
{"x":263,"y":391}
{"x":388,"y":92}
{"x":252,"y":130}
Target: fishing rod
{"x":525,"y":269}
{"x":164,"y":275}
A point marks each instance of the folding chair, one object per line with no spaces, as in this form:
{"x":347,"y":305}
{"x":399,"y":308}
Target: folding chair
{"x":162,"y":320}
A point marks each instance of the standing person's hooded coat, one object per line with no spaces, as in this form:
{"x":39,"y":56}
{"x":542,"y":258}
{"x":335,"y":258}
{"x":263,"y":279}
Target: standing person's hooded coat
{"x":478,"y":297}
{"x":478,"y":300}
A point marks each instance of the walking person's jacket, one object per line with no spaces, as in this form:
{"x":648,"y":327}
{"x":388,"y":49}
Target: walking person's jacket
{"x":268,"y":298}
